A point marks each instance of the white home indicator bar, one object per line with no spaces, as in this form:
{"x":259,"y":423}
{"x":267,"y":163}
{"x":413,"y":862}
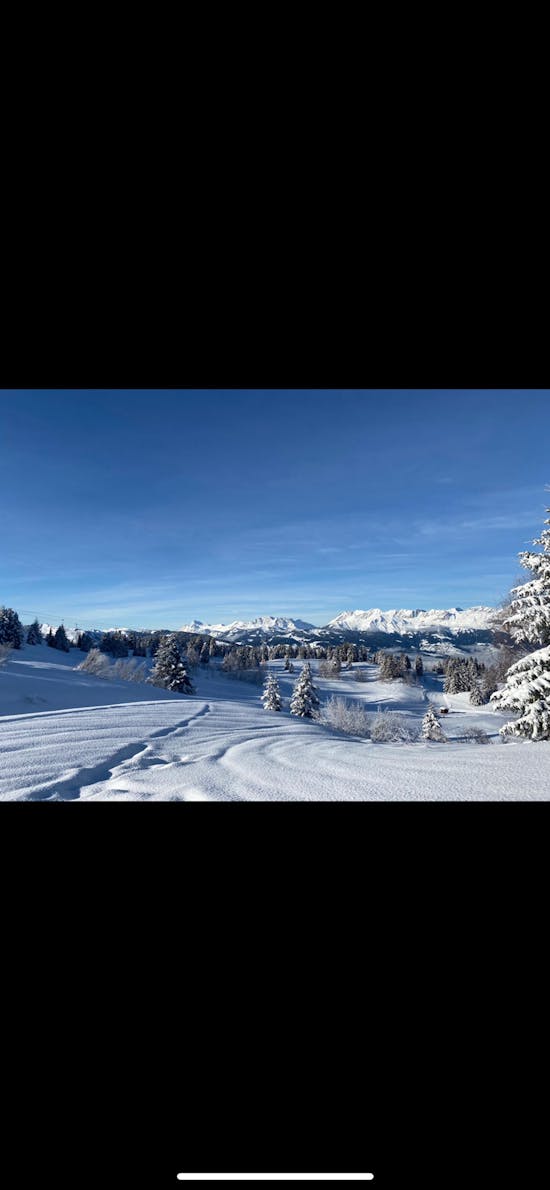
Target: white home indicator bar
{"x":275,"y":1177}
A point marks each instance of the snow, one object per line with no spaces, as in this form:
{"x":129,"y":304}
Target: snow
{"x":397,"y":621}
{"x":72,"y":736}
{"x":264,"y":625}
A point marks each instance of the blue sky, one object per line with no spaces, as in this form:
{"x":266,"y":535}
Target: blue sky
{"x":146,"y":509}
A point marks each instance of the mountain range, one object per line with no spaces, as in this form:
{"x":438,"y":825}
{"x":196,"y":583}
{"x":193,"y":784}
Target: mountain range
{"x":405,"y":623}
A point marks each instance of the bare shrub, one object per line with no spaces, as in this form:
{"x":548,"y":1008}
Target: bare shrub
{"x":476,"y":735}
{"x":124,"y":669}
{"x":96,"y":663}
{"x":345,"y":716}
{"x":360,"y":675}
{"x":389,"y":727}
{"x":5,"y":652}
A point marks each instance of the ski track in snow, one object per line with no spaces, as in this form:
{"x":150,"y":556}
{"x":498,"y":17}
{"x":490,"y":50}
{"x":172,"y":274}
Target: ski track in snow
{"x":220,"y":745}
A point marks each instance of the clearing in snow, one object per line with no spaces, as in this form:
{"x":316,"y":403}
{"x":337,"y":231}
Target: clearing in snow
{"x":67,"y":735}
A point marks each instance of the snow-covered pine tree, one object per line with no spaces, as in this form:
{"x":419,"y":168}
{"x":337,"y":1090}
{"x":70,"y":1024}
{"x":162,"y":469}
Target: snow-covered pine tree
{"x":476,"y":697}
{"x":527,"y":689}
{"x":431,"y":728}
{"x":34,"y":635}
{"x":418,"y":666}
{"x":271,"y":696}
{"x":169,"y":671}
{"x":488,"y":683}
{"x":50,"y":639}
{"x":11,"y":629}
{"x":305,"y":701}
{"x":60,"y":640}
{"x":457,"y":676}
{"x":528,"y":619}
{"x":527,"y":694}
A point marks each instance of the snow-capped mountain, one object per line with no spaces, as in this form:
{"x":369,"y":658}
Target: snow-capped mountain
{"x":262,"y":626}
{"x":454,"y":619}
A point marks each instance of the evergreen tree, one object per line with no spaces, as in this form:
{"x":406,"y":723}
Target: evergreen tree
{"x":271,"y":696}
{"x":305,"y":701}
{"x":527,"y":689}
{"x":169,"y":671}
{"x":392,"y":667}
{"x":528,"y":620}
{"x":457,"y":676}
{"x":85,"y":642}
{"x":488,"y":683}
{"x":34,"y":635}
{"x":205,"y":654}
{"x":286,"y":666}
{"x":431,"y":728}
{"x":60,"y":640}
{"x":527,"y":694}
{"x":140,"y":646}
{"x":50,"y":639}
{"x":476,"y":697}
{"x":419,"y":667}
{"x":11,"y":629}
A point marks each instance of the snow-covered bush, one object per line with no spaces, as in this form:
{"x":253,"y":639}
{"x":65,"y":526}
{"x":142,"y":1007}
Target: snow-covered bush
{"x":389,"y":727}
{"x":476,"y":735}
{"x":95,"y":663}
{"x":431,"y":728}
{"x":360,"y":675}
{"x":128,"y":669}
{"x":346,"y":716}
{"x":331,"y":668}
{"x":271,"y":696}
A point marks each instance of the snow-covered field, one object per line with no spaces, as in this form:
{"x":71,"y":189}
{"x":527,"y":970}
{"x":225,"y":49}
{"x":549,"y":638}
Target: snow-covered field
{"x":65,"y":735}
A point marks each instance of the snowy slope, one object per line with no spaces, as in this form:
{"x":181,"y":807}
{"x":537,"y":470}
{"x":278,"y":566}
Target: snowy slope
{"x":454,"y":619}
{"x":66,"y":735}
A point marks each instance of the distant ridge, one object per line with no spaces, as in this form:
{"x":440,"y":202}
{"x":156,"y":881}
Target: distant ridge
{"x":374,"y":621}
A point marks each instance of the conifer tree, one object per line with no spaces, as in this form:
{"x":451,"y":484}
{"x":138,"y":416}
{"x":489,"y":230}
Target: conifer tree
{"x":476,"y":696}
{"x":431,"y":728}
{"x":34,"y":635}
{"x":419,"y":667}
{"x":528,"y":620}
{"x":527,"y":689}
{"x":60,"y":640}
{"x":11,"y":629}
{"x":271,"y":696}
{"x":305,"y":700}
{"x":50,"y":639}
{"x":169,"y":671}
